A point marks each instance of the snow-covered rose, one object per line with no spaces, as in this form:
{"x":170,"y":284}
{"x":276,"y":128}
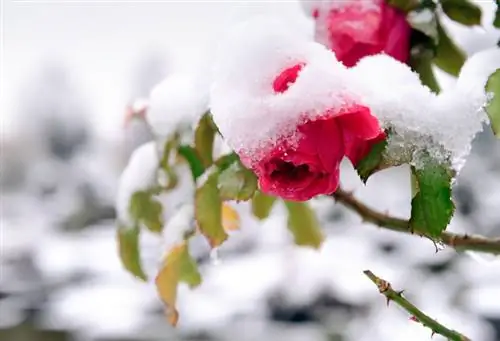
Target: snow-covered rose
{"x":302,"y":169}
{"x":358,"y":28}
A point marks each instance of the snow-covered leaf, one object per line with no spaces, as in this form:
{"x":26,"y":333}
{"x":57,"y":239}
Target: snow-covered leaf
{"x":230,"y":218}
{"x":432,"y":207}
{"x":128,"y":247}
{"x":449,"y":57}
{"x":204,"y":136}
{"x":372,"y":162}
{"x":493,"y":107}
{"x":237,"y":183}
{"x":177,"y":267}
{"x":262,"y":205}
{"x":462,"y":11}
{"x":194,"y":160}
{"x":304,"y":225}
{"x":208,"y":211}
{"x":145,"y":210}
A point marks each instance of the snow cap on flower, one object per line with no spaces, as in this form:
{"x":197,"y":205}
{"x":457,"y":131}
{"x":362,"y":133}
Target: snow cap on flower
{"x":285,"y":105}
{"x":251,"y":115}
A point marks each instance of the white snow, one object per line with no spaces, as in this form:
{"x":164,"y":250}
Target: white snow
{"x":178,"y":226}
{"x":249,"y":113}
{"x":139,"y":175}
{"x":176,"y":103}
{"x":252,"y":117}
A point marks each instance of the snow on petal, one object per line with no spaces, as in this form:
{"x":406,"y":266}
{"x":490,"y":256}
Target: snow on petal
{"x":177,"y":102}
{"x":139,"y":175}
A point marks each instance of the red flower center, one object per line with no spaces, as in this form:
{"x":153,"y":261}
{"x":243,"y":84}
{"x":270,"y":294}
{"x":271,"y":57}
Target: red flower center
{"x":287,"y":78}
{"x":287,"y":171}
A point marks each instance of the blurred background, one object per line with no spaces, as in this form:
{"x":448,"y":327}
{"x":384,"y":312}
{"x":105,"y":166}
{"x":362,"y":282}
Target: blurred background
{"x":69,"y":69}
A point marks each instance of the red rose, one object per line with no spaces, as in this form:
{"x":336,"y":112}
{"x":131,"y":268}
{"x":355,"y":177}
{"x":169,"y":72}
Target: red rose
{"x":302,"y":169}
{"x":358,"y":28}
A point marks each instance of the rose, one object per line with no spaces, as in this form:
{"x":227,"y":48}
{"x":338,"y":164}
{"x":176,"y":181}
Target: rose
{"x":299,"y":170}
{"x":358,"y":28}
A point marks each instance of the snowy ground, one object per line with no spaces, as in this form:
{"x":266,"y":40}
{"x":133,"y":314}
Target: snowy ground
{"x":63,"y":148}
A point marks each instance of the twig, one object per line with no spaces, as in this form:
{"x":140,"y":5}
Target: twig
{"x":385,"y":288}
{"x":461,"y":242}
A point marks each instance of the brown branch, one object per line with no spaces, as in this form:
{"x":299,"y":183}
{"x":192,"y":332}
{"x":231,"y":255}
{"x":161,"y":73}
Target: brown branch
{"x":461,"y":242}
{"x":385,"y":289}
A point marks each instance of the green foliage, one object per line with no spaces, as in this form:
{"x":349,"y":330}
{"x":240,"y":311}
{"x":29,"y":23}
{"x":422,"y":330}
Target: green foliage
{"x":262,"y":205}
{"x":449,"y":57}
{"x":177,"y":267}
{"x":128,"y":249}
{"x":304,"y":225}
{"x":404,"y":5}
{"x":372,"y":162}
{"x":226,"y":160}
{"x":496,"y":20}
{"x":432,"y":207}
{"x":462,"y":11}
{"x":208,"y":211}
{"x":170,"y":178}
{"x":237,"y":183}
{"x":493,"y":107}
{"x":204,"y":137}
{"x":193,"y":158}
{"x":145,"y":210}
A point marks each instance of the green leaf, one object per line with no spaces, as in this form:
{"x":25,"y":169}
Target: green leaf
{"x":462,"y":11}
{"x":144,"y":209}
{"x":262,"y":205}
{"x":449,"y":57}
{"x":496,"y":20}
{"x":237,"y":183}
{"x":169,"y":178}
{"x":432,"y":207}
{"x":304,"y":225}
{"x":227,"y":160}
{"x":208,"y":211}
{"x":493,"y":106}
{"x":178,"y":266}
{"x":404,"y":5}
{"x":128,"y":247}
{"x":194,"y":160}
{"x":372,"y":162}
{"x":422,"y":64}
{"x":204,"y":137}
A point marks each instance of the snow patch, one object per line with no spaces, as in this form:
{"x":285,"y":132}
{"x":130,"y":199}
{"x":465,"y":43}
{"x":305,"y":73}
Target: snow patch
{"x":177,"y":103}
{"x":139,"y":175}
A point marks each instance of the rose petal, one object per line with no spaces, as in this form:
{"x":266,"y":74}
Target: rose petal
{"x":323,"y":138}
{"x":359,"y":122}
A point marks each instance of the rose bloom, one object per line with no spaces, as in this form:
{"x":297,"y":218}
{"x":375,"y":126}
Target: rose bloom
{"x":358,"y":28}
{"x":302,"y":169}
